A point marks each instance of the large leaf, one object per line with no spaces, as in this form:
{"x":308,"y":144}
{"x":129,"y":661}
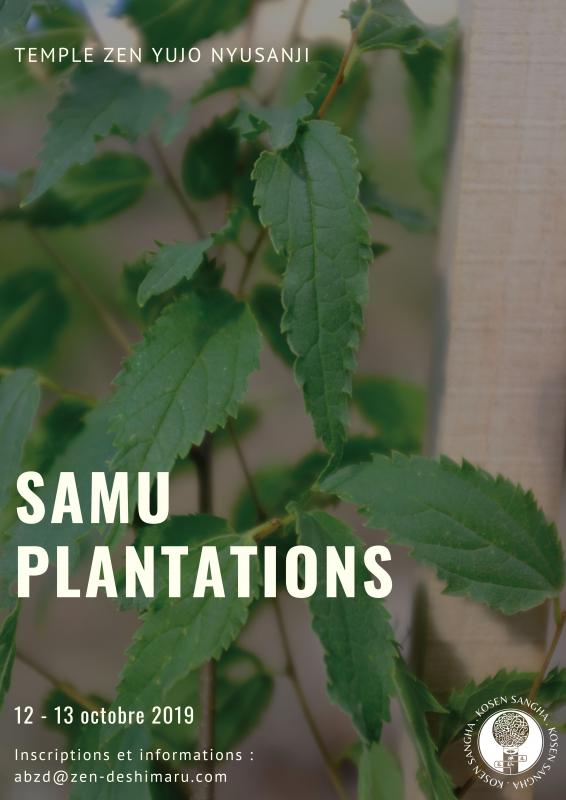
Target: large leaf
{"x":33,"y":311}
{"x":463,"y":703}
{"x":14,"y":15}
{"x":182,"y":23}
{"x":377,"y":202}
{"x":100,"y":100}
{"x":379,"y":775}
{"x":90,"y":451}
{"x":416,"y":701}
{"x":7,"y":650}
{"x":186,"y":377}
{"x":354,"y":631}
{"x":177,"y":636}
{"x":486,"y":537}
{"x":55,"y":431}
{"x":19,"y":399}
{"x":170,"y":265}
{"x":308,"y":197}
{"x":396,"y":409}
{"x":105,"y":186}
{"x":210,"y":160}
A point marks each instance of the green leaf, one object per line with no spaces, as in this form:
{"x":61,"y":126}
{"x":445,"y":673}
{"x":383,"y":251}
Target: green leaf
{"x":486,"y":537}
{"x":463,"y":703}
{"x":379,"y":775}
{"x":378,"y":203}
{"x":308,"y":197}
{"x":266,"y":305}
{"x":56,"y":430}
{"x":100,"y":100}
{"x":176,"y":636}
{"x":33,"y":312}
{"x":186,"y":377}
{"x":233,"y":75}
{"x":71,"y":731}
{"x":56,"y":26}
{"x":182,"y":23}
{"x":102,"y":188}
{"x":390,"y":24}
{"x":172,"y":264}
{"x":354,"y":631}
{"x":90,"y":451}
{"x":210,"y":160}
{"x":416,"y":701}
{"x":7,"y":650}
{"x":281,"y":124}
{"x":395,"y":408}
{"x":19,"y":399}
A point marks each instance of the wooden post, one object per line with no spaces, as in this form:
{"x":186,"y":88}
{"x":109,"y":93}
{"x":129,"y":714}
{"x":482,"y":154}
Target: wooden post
{"x":501,"y":397}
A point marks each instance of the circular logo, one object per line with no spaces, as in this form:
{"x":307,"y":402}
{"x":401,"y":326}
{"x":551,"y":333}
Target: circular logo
{"x":510,"y":742}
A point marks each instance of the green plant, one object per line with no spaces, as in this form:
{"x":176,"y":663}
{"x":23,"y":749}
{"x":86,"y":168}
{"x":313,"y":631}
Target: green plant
{"x":293,"y":181}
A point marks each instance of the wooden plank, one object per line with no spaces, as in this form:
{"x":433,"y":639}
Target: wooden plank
{"x":501,"y":398}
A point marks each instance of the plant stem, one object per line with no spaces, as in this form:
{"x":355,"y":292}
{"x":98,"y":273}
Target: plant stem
{"x":62,"y":686}
{"x":47,"y":383}
{"x":291,"y":672}
{"x":340,"y":76}
{"x":175,"y":188}
{"x":250,"y":261}
{"x":107,"y":319}
{"x":260,"y":510}
{"x":560,"y":623}
{"x":207,"y":678}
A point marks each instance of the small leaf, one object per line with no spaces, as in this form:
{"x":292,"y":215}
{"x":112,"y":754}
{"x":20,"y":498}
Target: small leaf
{"x":266,"y":305}
{"x":70,"y":730}
{"x":233,"y":75}
{"x":416,"y":701}
{"x":7,"y":649}
{"x":395,"y":408}
{"x":354,"y":631}
{"x":186,"y":377}
{"x":102,"y":188}
{"x":101,"y":100}
{"x":56,"y":26}
{"x":463,"y":703}
{"x":379,"y":775}
{"x":19,"y":399}
{"x":14,"y":15}
{"x":176,"y":636}
{"x":33,"y":311}
{"x":378,"y":203}
{"x":308,"y":197}
{"x":486,"y":537}
{"x":182,"y":23}
{"x":281,"y":124}
{"x":172,"y":264}
{"x":230,"y":231}
{"x":210,"y":160}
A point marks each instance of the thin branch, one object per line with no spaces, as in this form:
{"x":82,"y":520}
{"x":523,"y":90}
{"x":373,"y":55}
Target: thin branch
{"x":291,"y":671}
{"x":47,"y":383}
{"x":104,"y":316}
{"x":560,"y":623}
{"x":250,"y":261}
{"x":298,"y":23}
{"x":260,"y":510}
{"x":340,"y":75}
{"x":62,"y":686}
{"x":173,"y":185}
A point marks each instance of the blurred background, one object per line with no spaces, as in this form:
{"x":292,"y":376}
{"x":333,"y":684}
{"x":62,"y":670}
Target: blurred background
{"x":83,"y":641}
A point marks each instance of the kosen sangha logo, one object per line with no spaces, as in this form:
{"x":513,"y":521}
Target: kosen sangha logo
{"x":510,"y":746}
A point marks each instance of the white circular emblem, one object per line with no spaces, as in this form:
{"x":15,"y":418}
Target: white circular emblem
{"x":510,"y":742}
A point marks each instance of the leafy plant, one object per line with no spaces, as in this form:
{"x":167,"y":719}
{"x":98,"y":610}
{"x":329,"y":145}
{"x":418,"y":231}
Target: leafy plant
{"x":291,"y":175}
